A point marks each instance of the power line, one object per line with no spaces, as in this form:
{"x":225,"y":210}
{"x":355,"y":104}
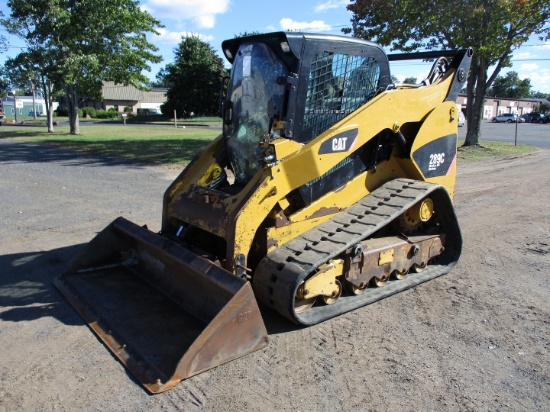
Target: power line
{"x":529,"y":60}
{"x":427,"y":63}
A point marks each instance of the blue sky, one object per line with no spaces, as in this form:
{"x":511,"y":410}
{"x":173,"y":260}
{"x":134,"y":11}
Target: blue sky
{"x":217,"y":20}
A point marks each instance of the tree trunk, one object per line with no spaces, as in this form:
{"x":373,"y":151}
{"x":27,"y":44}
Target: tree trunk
{"x":72,"y":107}
{"x":477,"y":87}
{"x":47,"y":92}
{"x":33,"y":101}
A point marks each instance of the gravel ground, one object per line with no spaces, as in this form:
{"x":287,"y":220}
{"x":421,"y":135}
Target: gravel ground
{"x":476,"y":339}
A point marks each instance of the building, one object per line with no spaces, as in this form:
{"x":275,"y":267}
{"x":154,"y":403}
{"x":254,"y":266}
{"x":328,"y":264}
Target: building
{"x":495,"y":106}
{"x":118,"y":96}
{"x":24,"y":107}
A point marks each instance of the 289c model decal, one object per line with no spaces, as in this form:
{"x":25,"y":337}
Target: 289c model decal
{"x":435,"y":158}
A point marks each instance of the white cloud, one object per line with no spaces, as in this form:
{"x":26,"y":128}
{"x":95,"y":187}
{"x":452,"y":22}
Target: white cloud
{"x":529,"y":67}
{"x":201,"y":12}
{"x":173,"y":37}
{"x":540,"y":77}
{"x":540,"y":80}
{"x":331,"y":4}
{"x":545,"y":46}
{"x":318,"y":25}
{"x":422,"y":75}
{"x":525,"y":55}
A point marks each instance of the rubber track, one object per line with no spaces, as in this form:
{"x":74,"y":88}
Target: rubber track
{"x":278,"y":275}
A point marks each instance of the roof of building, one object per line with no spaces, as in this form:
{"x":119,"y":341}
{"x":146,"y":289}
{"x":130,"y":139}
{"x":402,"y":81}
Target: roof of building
{"x":112,"y":91}
{"x":24,"y":99}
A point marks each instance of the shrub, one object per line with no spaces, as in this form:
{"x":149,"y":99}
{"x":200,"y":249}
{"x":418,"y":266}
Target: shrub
{"x":112,"y":113}
{"x":80,"y":114}
{"x":90,"y":111}
{"x":102,"y":114}
{"x":127,"y":109}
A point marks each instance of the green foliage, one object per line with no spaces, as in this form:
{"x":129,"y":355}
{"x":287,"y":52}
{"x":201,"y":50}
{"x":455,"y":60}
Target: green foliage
{"x":511,"y":86}
{"x":102,"y":114}
{"x":539,"y":95}
{"x":161,"y":79}
{"x":410,"y":80}
{"x":4,"y":86}
{"x":146,"y":145}
{"x":21,"y":71}
{"x":90,"y":111}
{"x":544,"y":107}
{"x":80,"y":113}
{"x":3,"y":40}
{"x":492,"y":150}
{"x":86,"y":42}
{"x":493,"y":28}
{"x":193,"y":79}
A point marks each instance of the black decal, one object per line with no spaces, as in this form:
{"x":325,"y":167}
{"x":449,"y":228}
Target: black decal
{"x":435,"y":158}
{"x":342,"y":142}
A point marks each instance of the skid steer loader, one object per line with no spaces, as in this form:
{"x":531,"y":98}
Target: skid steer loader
{"x":330,"y":188}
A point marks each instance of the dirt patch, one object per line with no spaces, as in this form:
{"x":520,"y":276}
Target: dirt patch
{"x":476,"y":339}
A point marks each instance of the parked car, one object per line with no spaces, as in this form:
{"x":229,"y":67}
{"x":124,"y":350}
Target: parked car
{"x":536,"y":118}
{"x":505,"y":117}
{"x":461,"y":119}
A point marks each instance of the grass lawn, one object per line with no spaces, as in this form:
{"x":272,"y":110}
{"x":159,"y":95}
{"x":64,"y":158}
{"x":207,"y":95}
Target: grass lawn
{"x":176,"y":146}
{"x":154,"y":145}
{"x":491,"y":149}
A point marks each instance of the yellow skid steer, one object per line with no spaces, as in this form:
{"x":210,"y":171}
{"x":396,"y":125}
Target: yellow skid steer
{"x":330,"y":188}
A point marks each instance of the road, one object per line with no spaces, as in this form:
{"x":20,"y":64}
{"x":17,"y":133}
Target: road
{"x":537,"y":135}
{"x":476,"y":339}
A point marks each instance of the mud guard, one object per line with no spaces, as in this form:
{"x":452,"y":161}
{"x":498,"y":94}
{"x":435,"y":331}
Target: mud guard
{"x":165,"y":312}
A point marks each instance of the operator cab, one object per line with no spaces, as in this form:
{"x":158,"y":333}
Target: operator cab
{"x":296,"y":86}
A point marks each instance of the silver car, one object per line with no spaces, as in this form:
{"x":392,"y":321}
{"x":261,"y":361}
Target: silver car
{"x":505,"y":117}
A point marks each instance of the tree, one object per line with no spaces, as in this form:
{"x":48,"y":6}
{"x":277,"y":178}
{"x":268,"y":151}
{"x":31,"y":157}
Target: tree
{"x":511,"y":86}
{"x":193,"y":80}
{"x":3,"y":40}
{"x":36,"y":68}
{"x":493,"y":28}
{"x":410,"y":80}
{"x":539,"y":95}
{"x":4,"y":84}
{"x":88,"y":41}
{"x":160,"y":79}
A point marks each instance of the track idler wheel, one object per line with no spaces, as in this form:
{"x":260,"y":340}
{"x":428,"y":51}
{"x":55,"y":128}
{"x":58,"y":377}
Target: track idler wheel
{"x":329,"y":300}
{"x":301,"y":305}
{"x":415,"y":216}
{"x":323,"y":284}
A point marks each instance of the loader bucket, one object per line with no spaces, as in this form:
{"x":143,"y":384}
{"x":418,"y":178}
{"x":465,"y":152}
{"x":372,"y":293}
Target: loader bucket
{"x":165,"y":312}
